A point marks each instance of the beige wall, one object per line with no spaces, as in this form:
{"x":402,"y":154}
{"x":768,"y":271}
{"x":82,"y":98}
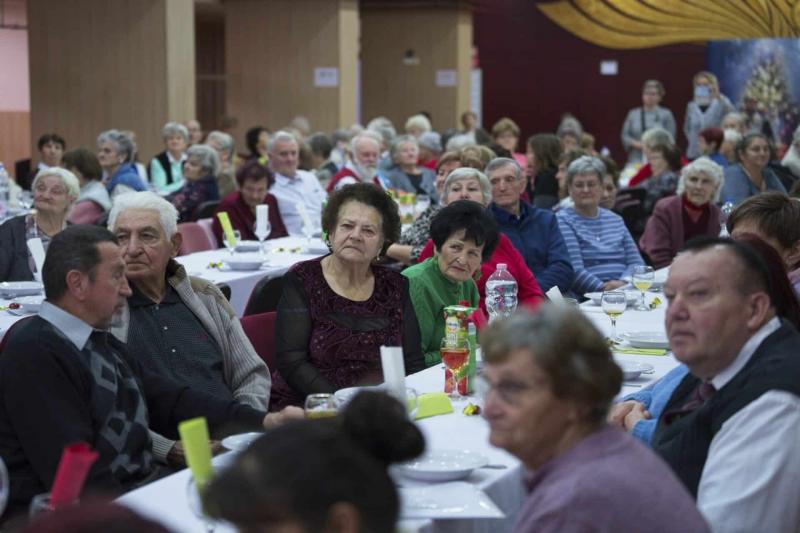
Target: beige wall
{"x":15,"y":134}
{"x":441,"y":38}
{"x":100,"y":64}
{"x":272,"y":49}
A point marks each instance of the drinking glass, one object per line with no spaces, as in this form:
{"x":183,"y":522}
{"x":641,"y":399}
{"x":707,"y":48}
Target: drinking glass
{"x":25,"y":200}
{"x":321,"y":406}
{"x":262,"y":235}
{"x":3,"y":486}
{"x":455,"y":359}
{"x":614,"y":304}
{"x":423,"y":203}
{"x":412,"y":402}
{"x":237,"y":236}
{"x":643,"y":277}
{"x":195,"y":500}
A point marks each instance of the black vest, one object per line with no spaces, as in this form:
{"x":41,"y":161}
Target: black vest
{"x":165,"y":164}
{"x":684,"y":443}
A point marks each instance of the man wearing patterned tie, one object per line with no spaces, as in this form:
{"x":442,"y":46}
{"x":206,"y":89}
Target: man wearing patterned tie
{"x":731,"y":427}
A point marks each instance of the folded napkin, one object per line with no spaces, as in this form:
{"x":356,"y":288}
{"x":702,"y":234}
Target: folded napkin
{"x":432,"y":404}
{"x":554,"y":294}
{"x":641,"y":351}
{"x":36,"y":248}
{"x":194,"y":435}
{"x":76,"y":460}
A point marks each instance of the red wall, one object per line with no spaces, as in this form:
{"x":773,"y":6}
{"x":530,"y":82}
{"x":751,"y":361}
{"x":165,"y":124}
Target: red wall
{"x":534,"y":71}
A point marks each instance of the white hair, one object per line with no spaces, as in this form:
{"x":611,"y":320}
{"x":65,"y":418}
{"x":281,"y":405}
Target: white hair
{"x":468,"y":173}
{"x":702,"y":165}
{"x":68,"y":179}
{"x":207,"y":157}
{"x":366,"y":134}
{"x":124,"y":143}
{"x":224,"y":140}
{"x":149,"y":201}
{"x":399,"y":141}
{"x":457,"y":142}
{"x":419,"y":122}
{"x":281,"y":136}
{"x":174,"y":128}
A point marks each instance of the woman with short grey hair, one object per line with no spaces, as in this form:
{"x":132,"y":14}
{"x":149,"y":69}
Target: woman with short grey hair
{"x":226,"y":150}
{"x":200,"y":174}
{"x":641,"y":119}
{"x":405,"y":175}
{"x":166,"y":168}
{"x":115,"y":154}
{"x":600,"y":246}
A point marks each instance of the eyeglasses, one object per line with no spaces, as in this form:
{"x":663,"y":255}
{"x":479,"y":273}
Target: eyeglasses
{"x":56,"y":190}
{"x":585,"y":185}
{"x":510,"y":392}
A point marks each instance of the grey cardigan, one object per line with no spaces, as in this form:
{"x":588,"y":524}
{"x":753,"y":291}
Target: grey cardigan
{"x":637,"y":122}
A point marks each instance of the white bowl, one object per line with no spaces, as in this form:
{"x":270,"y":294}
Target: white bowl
{"x":632,"y":370}
{"x":631,"y":296}
{"x":443,"y":465}
{"x":248,"y":246}
{"x":647,"y":339}
{"x":30,"y":304}
{"x":20,"y":288}
{"x":244,"y":262}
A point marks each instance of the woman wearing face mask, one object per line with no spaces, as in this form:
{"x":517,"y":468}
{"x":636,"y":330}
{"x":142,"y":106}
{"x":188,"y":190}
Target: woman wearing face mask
{"x":706,"y":110}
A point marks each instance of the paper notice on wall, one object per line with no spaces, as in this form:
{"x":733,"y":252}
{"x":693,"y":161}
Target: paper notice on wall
{"x":446,"y":78}
{"x":609,"y":68}
{"x":326,"y":77}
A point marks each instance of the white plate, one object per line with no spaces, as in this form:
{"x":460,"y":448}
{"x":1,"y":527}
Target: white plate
{"x":240,"y":442}
{"x":248,"y":246}
{"x":443,"y":465}
{"x":631,"y":296}
{"x":647,"y":339}
{"x":244,"y":262}
{"x":345,"y":395}
{"x":449,"y":500}
{"x":20,"y":288}
{"x":632,"y":369}
{"x":30,"y":304}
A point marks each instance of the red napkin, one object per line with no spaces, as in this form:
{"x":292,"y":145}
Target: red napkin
{"x":75,"y":463}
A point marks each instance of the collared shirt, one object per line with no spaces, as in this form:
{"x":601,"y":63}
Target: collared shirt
{"x":303,"y":188}
{"x":73,"y":328}
{"x":749,"y":481}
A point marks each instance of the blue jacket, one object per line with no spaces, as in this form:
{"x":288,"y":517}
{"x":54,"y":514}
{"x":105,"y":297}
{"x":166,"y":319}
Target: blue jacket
{"x":537,"y":237}
{"x":126,"y":175}
{"x":655,"y":398}
{"x":738,"y":186}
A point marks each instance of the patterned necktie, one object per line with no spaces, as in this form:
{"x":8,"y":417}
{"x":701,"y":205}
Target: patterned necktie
{"x":701,"y":394}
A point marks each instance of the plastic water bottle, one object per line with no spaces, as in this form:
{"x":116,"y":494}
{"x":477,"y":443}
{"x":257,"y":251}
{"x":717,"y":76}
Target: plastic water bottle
{"x":725,"y":211}
{"x":501,"y":293}
{"x":5,"y":188}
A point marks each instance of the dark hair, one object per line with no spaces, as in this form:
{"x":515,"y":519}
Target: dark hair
{"x":782,"y":295}
{"x":565,"y":345}
{"x":51,"y":137}
{"x":776,"y":215}
{"x":84,"y":161}
{"x":367,"y":194}
{"x":612,"y":169}
{"x":298,"y":470}
{"x":499,"y":150}
{"x":320,"y":145}
{"x":253,"y":170}
{"x":754,"y":271}
{"x":547,"y":149}
{"x":713,"y":135}
{"x":745,"y":143}
{"x":94,"y":517}
{"x":445,"y":158}
{"x":251,"y":139}
{"x":671,"y":153}
{"x":74,"y":248}
{"x":478,"y":224}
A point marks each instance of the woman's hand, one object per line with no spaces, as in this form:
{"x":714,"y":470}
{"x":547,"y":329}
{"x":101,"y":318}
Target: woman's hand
{"x":288,"y":413}
{"x":613,"y":284}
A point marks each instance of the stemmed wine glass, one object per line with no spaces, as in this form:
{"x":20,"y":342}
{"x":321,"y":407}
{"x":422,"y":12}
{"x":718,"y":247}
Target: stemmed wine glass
{"x":262,"y":235}
{"x":195,"y":499}
{"x":455,"y":358}
{"x":231,"y":246}
{"x":643,"y":277}
{"x":614,"y":304}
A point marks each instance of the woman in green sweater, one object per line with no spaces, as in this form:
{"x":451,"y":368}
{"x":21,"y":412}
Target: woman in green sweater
{"x":464,"y":234}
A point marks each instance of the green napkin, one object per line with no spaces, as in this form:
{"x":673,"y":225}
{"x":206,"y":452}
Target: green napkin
{"x":432,"y":404}
{"x":194,"y":435}
{"x":641,"y":351}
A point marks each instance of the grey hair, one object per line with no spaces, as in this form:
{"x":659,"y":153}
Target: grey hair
{"x":738,"y":117}
{"x":209,"y":159}
{"x":366,"y":134}
{"x":468,"y":173}
{"x":174,"y":128}
{"x":400,"y":140}
{"x":124,"y":142}
{"x":703,"y":165}
{"x":419,"y":121}
{"x":148,"y":201}
{"x":281,"y":136}
{"x":225,"y":141}
{"x":68,"y":179}
{"x":655,"y":136}
{"x":457,"y":142}
{"x":383,"y":127}
{"x":584,"y":165}
{"x":431,"y":141}
{"x":500,"y":162}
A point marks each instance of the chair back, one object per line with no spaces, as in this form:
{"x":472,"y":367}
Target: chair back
{"x":205,"y":210}
{"x":86,"y":212}
{"x":260,"y":329}
{"x":194,"y":238}
{"x":207,"y":225}
{"x":630,"y":206}
{"x":265,"y":296}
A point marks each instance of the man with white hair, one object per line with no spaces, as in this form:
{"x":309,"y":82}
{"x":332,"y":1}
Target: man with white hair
{"x":362,"y":166}
{"x":178,"y":326}
{"x":293,"y":187}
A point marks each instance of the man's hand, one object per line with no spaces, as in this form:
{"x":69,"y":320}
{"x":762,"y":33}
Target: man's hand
{"x":616,"y":417}
{"x":613,"y":284}
{"x":176,"y":457}
{"x":639,"y":412}
{"x":288,"y":413}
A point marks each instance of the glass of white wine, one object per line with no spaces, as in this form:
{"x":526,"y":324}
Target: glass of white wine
{"x":643,"y":277}
{"x":614,"y":304}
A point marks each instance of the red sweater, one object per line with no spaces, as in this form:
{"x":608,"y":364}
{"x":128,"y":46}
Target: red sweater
{"x":529,"y":294}
{"x":344,"y":173}
{"x":243,"y":219}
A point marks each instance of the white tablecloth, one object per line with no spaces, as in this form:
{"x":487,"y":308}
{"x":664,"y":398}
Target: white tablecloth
{"x":165,"y":500}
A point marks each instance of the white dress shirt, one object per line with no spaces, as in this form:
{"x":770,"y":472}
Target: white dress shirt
{"x":751,"y":478}
{"x":303,"y":187}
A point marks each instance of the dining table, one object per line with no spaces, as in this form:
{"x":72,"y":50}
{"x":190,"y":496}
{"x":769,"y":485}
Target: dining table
{"x":168,"y":500}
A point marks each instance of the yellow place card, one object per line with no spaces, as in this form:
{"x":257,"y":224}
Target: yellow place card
{"x":432,"y":404}
{"x":194,"y":436}
{"x":227,"y":229}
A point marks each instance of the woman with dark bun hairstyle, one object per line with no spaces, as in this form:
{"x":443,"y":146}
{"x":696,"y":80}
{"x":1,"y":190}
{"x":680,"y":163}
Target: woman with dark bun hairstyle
{"x":321,"y":475}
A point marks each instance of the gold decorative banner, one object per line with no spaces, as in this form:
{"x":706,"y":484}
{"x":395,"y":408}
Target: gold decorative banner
{"x":624,"y":24}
